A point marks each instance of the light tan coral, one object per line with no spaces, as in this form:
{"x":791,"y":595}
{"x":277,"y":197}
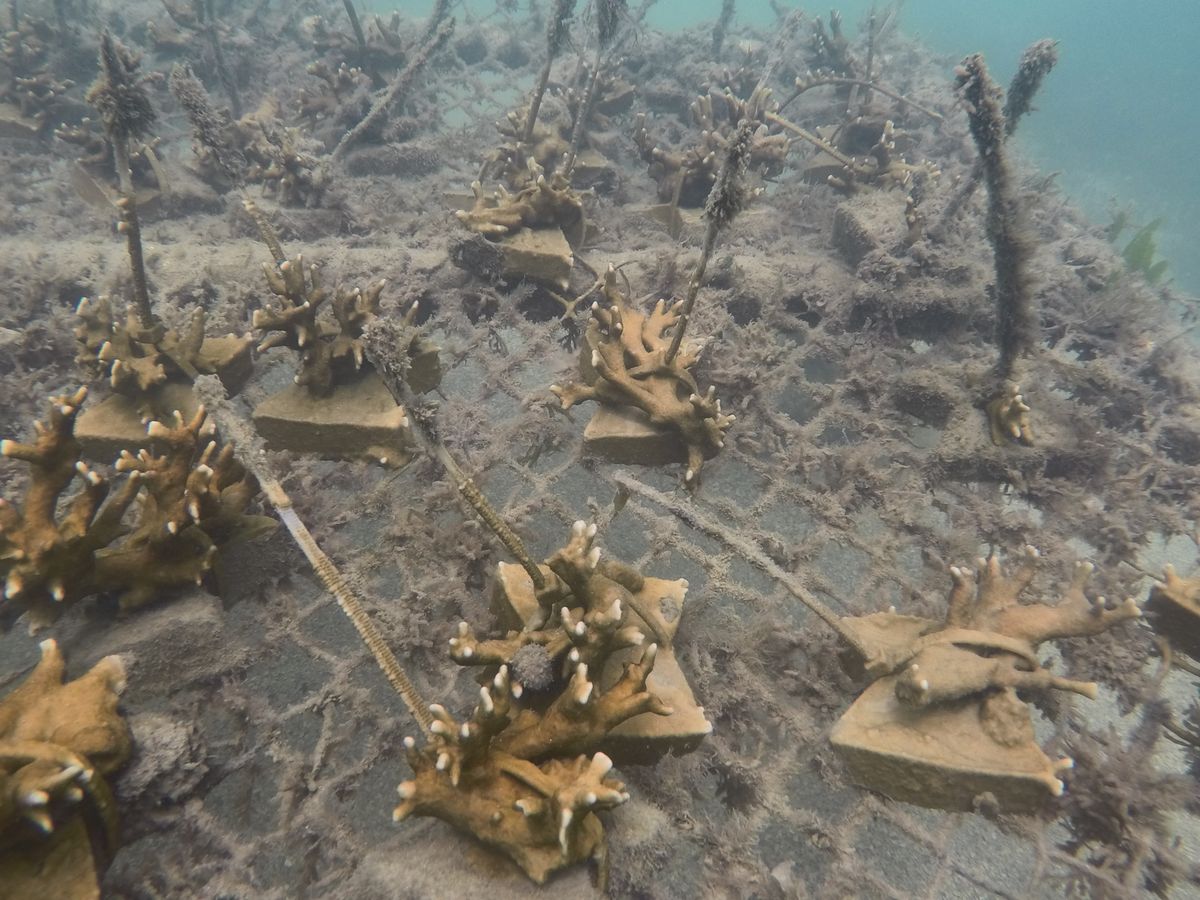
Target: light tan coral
{"x":524,"y":772}
{"x":528,"y":781}
{"x":1184,"y":592}
{"x":48,"y":562}
{"x":58,"y":742}
{"x":139,"y":361}
{"x":1008,"y":417}
{"x":624,"y":364}
{"x":542,"y":202}
{"x":954,"y":725}
{"x":194,"y":502}
{"x":328,"y":350}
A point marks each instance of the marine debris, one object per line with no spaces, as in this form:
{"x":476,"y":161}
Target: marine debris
{"x":59,"y":743}
{"x":188,"y":498}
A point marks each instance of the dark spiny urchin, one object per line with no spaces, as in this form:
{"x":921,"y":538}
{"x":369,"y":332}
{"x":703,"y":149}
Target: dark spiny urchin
{"x":729,"y":194}
{"x":118,"y":95}
{"x":1036,"y":62}
{"x":532,"y":667}
{"x":208,"y":125}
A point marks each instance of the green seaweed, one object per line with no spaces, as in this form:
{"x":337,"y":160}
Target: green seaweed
{"x":1140,"y":252}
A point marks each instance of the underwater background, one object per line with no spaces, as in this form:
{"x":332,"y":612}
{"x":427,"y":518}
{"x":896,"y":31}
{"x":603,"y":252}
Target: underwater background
{"x":1117,"y":119}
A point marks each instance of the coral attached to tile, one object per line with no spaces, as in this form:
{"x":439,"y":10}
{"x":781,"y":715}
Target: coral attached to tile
{"x":524,"y":773}
{"x":624,"y":365}
{"x":58,"y":743}
{"x":139,"y":361}
{"x":689,"y":174}
{"x":188,"y":501}
{"x":329,"y":351}
{"x":944,"y":724}
{"x":541,"y":202}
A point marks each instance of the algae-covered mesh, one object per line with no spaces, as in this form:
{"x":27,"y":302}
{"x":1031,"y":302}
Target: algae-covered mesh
{"x":661,"y":422}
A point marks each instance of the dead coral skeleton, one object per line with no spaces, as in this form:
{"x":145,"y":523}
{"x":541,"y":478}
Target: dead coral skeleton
{"x":189,"y":499}
{"x":627,"y":367}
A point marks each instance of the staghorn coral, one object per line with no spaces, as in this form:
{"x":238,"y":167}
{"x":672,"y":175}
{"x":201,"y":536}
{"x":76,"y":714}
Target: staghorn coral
{"x":542,"y":202}
{"x":1008,"y":417}
{"x":339,"y":98}
{"x":328,"y":351}
{"x":281,"y":159}
{"x":58,"y":743}
{"x":546,"y":144}
{"x":189,"y":500}
{"x":49,"y":562}
{"x":31,"y":97}
{"x":624,"y":364}
{"x":829,"y":49}
{"x":1183,"y":592}
{"x":529,"y":780}
{"x":602,"y":597}
{"x":140,"y":361}
{"x":957,"y":682}
{"x":685,"y":177}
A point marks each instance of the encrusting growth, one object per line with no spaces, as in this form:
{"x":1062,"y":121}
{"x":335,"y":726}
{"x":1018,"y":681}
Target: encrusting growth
{"x":525,"y":773}
{"x":190,"y":500}
{"x":1012,"y":245}
{"x":943,"y":722}
{"x":58,"y":743}
{"x":624,"y":364}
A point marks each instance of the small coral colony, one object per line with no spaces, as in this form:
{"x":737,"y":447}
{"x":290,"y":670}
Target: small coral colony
{"x":136,"y":491}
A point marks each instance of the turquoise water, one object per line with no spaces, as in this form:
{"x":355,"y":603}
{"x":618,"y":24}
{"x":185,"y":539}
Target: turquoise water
{"x":1118,"y":117}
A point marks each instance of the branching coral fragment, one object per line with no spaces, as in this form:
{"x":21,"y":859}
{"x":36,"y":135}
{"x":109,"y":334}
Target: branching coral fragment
{"x":57,"y":742}
{"x":138,"y":360}
{"x":628,"y":367}
{"x":194,"y":502}
{"x":328,"y":351}
{"x":522,"y":773}
{"x":959,"y":682}
{"x":542,"y":202}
